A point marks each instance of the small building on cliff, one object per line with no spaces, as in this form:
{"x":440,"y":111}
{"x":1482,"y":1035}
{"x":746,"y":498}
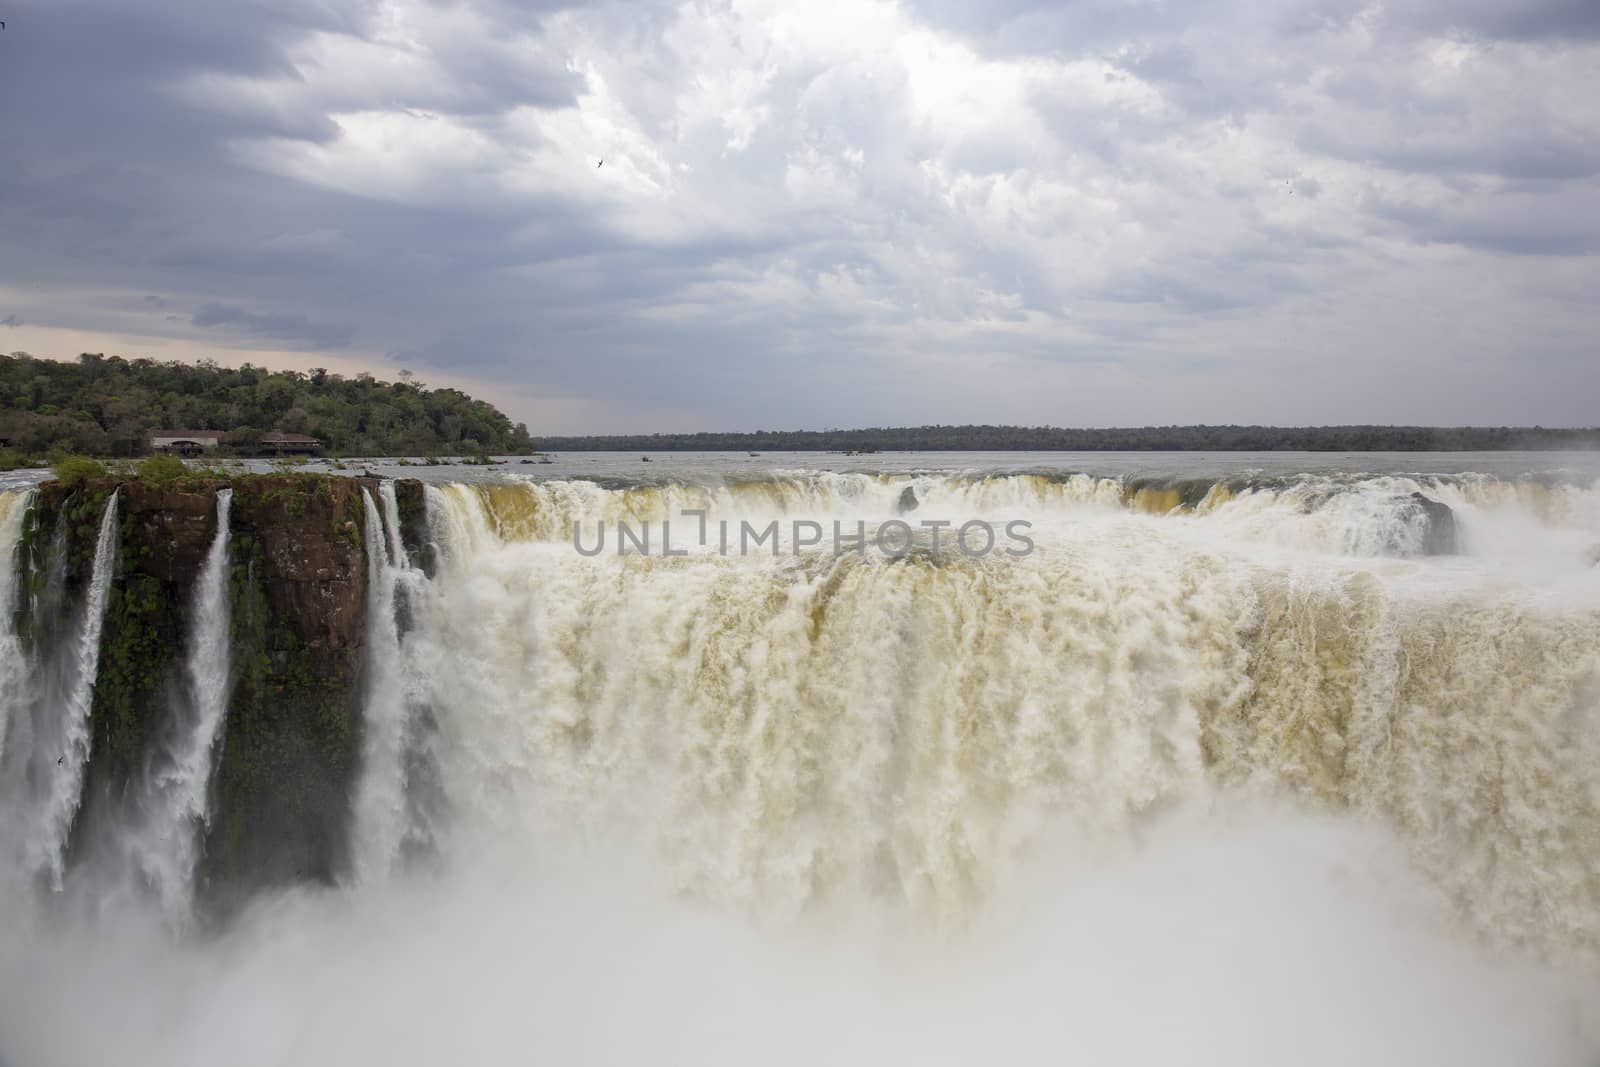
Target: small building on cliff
{"x":285,"y":444}
{"x":185,"y":442}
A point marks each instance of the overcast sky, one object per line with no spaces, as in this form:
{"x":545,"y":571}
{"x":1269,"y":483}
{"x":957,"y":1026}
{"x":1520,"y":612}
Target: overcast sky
{"x":825,"y":213}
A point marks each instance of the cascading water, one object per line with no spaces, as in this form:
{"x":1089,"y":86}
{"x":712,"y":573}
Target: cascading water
{"x":61,"y":764}
{"x":384,"y":815}
{"x":13,"y":666}
{"x":1238,"y":736}
{"x":791,"y":729}
{"x":391,"y":527}
{"x":1368,"y":516}
{"x":164,"y":846}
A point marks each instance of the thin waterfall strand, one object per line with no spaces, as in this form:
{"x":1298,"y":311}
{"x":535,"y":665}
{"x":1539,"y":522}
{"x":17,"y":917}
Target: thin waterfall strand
{"x":380,"y":801}
{"x":13,"y":665}
{"x":391,"y":526}
{"x":166,"y":847}
{"x":46,"y":848}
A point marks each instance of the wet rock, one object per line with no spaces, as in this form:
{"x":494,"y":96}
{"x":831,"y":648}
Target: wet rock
{"x":313,"y":573}
{"x":298,"y":585}
{"x":1439,"y":526}
{"x":168,"y":530}
{"x":412,"y":504}
{"x":908,"y":501}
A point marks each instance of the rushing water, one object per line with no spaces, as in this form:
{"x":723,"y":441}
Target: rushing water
{"x":390,"y":809}
{"x":65,"y":732}
{"x":792,"y":727}
{"x":164,"y":845}
{"x":380,"y":804}
{"x":13,"y":675}
{"x":1227,"y":768}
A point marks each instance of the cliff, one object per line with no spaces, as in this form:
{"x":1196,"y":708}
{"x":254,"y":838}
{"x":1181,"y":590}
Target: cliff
{"x":297,"y":573}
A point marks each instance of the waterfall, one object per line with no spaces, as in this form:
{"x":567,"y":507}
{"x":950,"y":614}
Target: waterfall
{"x":1225,"y":759}
{"x":391,"y":526}
{"x":787,"y":731}
{"x":165,"y":847}
{"x":13,"y":666}
{"x":382,"y":818}
{"x":784,"y":731}
{"x":45,"y":848}
{"x":1356,"y":515}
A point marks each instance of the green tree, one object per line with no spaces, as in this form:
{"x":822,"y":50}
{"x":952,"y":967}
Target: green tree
{"x":75,"y":470}
{"x":106,"y":405}
{"x":161,"y":470}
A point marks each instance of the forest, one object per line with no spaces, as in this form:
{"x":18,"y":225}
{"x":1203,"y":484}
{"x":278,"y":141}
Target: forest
{"x":108,"y":406}
{"x":1144,"y":438}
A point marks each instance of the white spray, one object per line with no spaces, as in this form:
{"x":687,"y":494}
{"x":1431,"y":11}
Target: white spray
{"x":45,"y":850}
{"x":382,"y":814}
{"x":785,"y":732}
{"x":13,"y":666}
{"x":165,"y":848}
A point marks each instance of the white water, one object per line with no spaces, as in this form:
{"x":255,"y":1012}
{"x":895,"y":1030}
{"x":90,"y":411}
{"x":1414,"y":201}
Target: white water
{"x":391,"y":526}
{"x":1234,"y":939}
{"x":164,"y":846}
{"x":13,"y":667}
{"x":46,"y":846}
{"x":1240,"y":781}
{"x":1517,"y":520}
{"x":382,"y":814}
{"x":788,"y":733}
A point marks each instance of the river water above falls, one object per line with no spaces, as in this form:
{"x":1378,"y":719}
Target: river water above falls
{"x":1243,"y":760}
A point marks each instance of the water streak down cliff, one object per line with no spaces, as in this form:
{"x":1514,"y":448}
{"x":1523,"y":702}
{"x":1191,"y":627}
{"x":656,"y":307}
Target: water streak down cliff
{"x":175,"y":805}
{"x":216,"y":638}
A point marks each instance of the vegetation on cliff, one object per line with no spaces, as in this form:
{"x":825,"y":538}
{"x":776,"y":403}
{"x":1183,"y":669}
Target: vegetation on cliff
{"x":298,"y":596}
{"x":297,"y":576}
{"x":108,"y":406}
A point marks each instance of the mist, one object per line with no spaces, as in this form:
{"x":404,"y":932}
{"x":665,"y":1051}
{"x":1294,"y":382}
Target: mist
{"x":1235,"y":935}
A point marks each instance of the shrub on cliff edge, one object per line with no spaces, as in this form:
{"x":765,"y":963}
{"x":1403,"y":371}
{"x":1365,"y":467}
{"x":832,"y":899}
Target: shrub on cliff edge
{"x":75,"y":470}
{"x":161,"y":470}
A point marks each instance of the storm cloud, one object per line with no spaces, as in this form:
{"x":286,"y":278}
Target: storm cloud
{"x":829,"y":214}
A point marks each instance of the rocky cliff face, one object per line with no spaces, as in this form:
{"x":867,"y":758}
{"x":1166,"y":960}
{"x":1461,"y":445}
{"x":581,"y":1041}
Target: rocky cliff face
{"x":298,"y":584}
{"x":1438,"y":525}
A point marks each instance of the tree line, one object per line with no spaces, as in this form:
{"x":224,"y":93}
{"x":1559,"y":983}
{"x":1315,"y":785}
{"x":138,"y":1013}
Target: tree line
{"x":108,"y":406}
{"x":1143,"y":438}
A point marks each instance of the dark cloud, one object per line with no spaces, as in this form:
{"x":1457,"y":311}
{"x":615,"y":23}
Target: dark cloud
{"x":1153,"y":287}
{"x":1497,"y":20}
{"x":1522,"y":231}
{"x":295,"y":329}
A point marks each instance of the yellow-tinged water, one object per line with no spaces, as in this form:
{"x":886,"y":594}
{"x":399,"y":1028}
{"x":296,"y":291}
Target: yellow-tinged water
{"x":803,"y":728}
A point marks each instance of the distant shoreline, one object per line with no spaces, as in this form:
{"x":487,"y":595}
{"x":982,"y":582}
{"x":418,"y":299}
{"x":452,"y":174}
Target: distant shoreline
{"x":1140,"y":439}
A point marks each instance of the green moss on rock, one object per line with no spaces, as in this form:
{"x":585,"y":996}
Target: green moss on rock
{"x":297,"y":578}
